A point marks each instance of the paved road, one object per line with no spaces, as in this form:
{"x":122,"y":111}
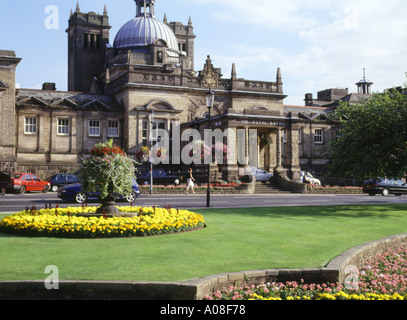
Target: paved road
{"x":17,"y":202}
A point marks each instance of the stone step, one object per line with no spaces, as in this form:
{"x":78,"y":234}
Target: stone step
{"x":269,"y":188}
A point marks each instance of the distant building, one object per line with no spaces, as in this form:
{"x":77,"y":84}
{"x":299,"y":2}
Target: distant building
{"x":115,"y":87}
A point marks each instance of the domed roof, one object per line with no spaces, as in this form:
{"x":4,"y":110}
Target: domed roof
{"x":143,"y":31}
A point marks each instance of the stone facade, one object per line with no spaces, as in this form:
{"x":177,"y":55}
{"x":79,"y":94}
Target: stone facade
{"x":88,"y":35}
{"x":8,"y":64}
{"x":114,"y":91}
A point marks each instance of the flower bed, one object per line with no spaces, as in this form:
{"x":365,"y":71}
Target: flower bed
{"x":66,"y":223}
{"x":214,"y":188}
{"x":335,"y":189}
{"x":383,"y":278}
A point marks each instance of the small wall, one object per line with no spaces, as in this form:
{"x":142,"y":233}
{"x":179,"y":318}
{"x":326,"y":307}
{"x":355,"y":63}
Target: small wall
{"x":196,"y":289}
{"x":286,"y":183}
{"x":332,"y":190}
{"x":245,"y":188}
{"x":359,"y":255}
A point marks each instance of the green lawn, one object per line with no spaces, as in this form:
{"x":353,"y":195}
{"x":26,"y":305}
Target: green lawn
{"x":235,"y":240}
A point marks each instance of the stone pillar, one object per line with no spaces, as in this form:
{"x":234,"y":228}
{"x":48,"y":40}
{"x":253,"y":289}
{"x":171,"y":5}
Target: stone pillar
{"x":103,"y":129}
{"x":248,"y":147}
{"x":73,"y":136}
{"x":53,"y":133}
{"x":293,"y":152}
{"x":230,"y":168}
{"x":279,"y":141}
{"x":41,"y":127}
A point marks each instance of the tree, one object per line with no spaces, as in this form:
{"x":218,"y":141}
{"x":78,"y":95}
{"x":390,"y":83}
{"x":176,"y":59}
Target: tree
{"x":372,"y":141}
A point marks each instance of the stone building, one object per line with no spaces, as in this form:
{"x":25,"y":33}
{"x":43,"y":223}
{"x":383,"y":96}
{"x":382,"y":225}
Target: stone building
{"x":114,"y":87}
{"x":8,"y":64}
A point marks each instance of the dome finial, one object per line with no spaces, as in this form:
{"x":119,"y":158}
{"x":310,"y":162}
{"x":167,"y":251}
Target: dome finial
{"x":145,"y":8}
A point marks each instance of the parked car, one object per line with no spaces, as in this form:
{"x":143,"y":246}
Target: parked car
{"x":23,"y":182}
{"x":262,"y":175}
{"x":74,"y":193}
{"x":159,"y":177}
{"x":384,"y":187}
{"x":307,"y":177}
{"x":62,"y":179}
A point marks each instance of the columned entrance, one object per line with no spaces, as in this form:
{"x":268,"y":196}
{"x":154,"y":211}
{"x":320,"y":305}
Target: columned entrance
{"x":266,"y":142}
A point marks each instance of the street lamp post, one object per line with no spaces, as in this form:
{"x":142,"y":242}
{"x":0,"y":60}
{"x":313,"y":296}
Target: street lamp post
{"x":210,"y":99}
{"x":151,"y":118}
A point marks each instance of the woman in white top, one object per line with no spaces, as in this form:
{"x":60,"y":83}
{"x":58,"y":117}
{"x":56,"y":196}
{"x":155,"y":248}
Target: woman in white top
{"x":190,"y":182}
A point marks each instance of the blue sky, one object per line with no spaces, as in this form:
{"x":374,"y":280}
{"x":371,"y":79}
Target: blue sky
{"x":318,"y":44}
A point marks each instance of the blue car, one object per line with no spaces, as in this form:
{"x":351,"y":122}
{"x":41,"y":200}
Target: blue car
{"x":62,"y":179}
{"x":74,"y":193}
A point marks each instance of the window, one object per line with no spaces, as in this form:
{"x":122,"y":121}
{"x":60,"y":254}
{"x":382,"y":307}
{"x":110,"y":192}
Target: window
{"x":94,"y":128}
{"x":85,"y":40}
{"x":285,"y":136}
{"x":63,"y":127}
{"x":30,"y":126}
{"x":318,"y":138}
{"x":113,"y":129}
{"x":92,"y":41}
{"x":155,"y":137}
{"x":300,"y":136}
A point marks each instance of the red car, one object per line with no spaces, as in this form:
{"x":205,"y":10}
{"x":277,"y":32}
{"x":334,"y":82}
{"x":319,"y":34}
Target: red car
{"x":23,"y":182}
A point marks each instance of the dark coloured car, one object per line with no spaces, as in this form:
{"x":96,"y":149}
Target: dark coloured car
{"x":4,"y":182}
{"x":74,"y":193}
{"x":62,"y":179}
{"x":385,"y":187}
{"x":159,"y":177}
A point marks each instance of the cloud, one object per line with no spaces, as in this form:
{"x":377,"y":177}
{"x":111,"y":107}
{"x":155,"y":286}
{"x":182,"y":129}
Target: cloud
{"x":318,"y":43}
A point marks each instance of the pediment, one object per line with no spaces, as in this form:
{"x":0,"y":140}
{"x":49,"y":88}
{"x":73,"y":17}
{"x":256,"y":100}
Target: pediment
{"x":32,"y":102}
{"x":97,"y":106}
{"x":161,"y":105}
{"x":64,"y":103}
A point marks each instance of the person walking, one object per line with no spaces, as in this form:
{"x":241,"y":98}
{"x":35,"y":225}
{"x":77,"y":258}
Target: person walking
{"x":190,"y":181}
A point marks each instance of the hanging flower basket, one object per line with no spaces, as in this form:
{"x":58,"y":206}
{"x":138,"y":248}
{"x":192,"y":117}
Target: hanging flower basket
{"x":265,"y":139}
{"x":143,"y":155}
{"x":109,"y":171}
{"x":226,"y":152}
{"x":202,"y":150}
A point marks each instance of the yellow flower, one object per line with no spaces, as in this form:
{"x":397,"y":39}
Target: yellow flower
{"x":149,"y":220}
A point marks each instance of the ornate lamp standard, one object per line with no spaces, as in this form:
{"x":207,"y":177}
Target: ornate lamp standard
{"x":151,"y":120}
{"x":210,"y":99}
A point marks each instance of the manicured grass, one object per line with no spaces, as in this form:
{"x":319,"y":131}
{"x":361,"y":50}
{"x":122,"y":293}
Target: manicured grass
{"x":235,"y":240}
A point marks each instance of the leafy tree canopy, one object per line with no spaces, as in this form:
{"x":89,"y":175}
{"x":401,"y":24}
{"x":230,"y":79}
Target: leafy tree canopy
{"x":373,"y":137}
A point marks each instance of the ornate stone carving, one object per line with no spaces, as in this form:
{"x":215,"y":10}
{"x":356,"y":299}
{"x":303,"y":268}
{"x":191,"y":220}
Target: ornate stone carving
{"x":209,"y":76}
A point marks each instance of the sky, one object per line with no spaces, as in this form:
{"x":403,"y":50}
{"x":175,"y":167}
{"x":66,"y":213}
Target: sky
{"x":318,"y":44}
